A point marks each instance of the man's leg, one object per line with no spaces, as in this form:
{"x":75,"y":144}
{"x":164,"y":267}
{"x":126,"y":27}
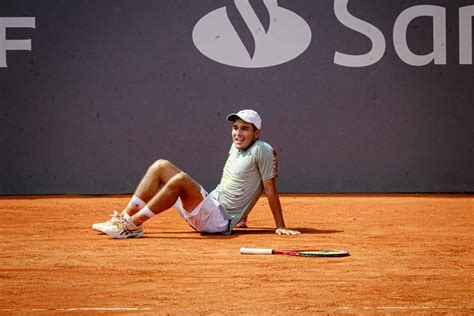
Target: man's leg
{"x":175,"y":184}
{"x":158,"y":191}
{"x":158,"y":174}
{"x":181,"y":185}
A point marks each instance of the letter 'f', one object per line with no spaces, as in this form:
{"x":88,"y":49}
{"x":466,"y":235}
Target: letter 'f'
{"x":13,"y":44}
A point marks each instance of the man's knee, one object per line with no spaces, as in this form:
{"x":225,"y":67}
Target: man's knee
{"x":159,"y":165}
{"x":181,"y":179}
{"x":188,"y":189}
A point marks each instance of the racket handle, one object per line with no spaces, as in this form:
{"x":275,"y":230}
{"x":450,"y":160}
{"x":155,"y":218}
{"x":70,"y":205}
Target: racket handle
{"x":256,"y":251}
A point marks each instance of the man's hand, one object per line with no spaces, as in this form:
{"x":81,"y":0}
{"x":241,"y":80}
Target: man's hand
{"x":284,"y":231}
{"x":269,"y":186}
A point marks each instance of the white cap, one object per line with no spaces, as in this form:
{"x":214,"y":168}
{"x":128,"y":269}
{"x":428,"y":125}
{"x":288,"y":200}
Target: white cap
{"x":249,"y":116}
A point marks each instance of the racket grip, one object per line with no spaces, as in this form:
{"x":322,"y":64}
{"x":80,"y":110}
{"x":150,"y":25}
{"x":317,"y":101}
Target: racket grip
{"x":256,"y":251}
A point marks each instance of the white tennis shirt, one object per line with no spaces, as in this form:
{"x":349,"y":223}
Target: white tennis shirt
{"x":241,"y":183}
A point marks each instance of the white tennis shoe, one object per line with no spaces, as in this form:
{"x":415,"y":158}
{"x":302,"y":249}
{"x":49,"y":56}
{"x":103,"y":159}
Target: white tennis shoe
{"x":100,"y":227}
{"x":124,"y":228}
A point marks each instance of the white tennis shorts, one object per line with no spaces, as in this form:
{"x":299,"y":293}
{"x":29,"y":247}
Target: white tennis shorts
{"x":206,"y":217}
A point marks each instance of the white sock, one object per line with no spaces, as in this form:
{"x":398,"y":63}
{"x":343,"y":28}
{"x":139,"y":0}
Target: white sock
{"x":127,"y":217}
{"x":145,"y":211}
{"x":136,"y":202}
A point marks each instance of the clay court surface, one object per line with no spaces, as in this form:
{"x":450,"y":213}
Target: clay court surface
{"x":409,"y":254}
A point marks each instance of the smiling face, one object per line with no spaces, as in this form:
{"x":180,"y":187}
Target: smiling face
{"x":244,"y":134}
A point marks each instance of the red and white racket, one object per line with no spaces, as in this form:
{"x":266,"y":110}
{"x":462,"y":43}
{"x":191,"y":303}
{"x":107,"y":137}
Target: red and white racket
{"x":301,"y":253}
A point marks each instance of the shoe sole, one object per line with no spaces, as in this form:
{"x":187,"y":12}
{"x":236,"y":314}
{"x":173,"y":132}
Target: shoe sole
{"x":136,"y":235}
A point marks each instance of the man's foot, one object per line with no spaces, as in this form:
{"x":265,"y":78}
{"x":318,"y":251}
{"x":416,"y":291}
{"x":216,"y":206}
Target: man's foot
{"x":242,"y":224}
{"x":125,"y":228}
{"x":100,"y":227}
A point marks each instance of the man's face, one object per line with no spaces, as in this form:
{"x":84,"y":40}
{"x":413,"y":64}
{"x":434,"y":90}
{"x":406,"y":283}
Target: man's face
{"x":244,"y":134}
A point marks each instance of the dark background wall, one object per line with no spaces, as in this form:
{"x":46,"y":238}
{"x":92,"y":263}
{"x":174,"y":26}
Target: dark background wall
{"x":110,"y":86}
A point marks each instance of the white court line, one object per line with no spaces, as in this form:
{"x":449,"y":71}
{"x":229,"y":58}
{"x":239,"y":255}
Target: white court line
{"x":405,"y":307}
{"x":73,"y":309}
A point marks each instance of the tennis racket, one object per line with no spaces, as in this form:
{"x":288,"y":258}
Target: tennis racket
{"x":301,"y":253}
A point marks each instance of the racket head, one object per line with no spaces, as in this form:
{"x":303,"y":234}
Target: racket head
{"x":313,"y":253}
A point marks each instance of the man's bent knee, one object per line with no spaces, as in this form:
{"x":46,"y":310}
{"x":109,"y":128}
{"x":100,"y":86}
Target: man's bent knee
{"x":181,"y":179}
{"x":188,"y":190}
{"x":159,"y":165}
{"x":184,"y":184}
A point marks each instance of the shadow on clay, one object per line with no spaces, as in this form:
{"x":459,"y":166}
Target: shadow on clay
{"x":235,"y":233}
{"x":261,"y":230}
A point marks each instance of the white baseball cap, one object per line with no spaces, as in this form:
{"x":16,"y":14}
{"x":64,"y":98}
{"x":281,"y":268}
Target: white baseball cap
{"x":249,"y":116}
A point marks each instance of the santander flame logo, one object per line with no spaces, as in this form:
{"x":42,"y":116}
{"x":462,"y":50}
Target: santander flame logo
{"x":252,"y":34}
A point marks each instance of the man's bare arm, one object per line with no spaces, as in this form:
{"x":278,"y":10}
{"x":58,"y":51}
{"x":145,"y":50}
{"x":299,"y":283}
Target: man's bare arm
{"x":269,"y":187}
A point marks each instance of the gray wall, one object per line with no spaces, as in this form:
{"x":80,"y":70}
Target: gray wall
{"x":110,"y":86}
